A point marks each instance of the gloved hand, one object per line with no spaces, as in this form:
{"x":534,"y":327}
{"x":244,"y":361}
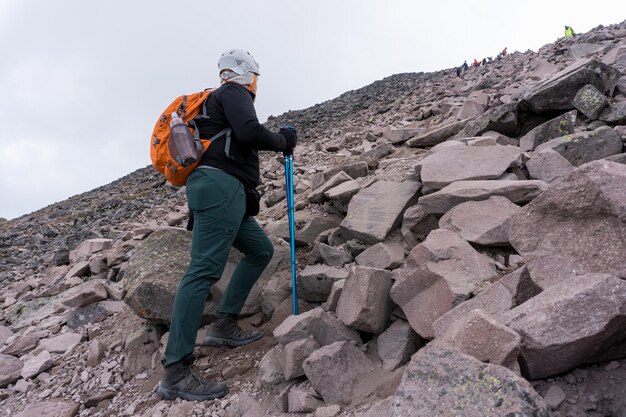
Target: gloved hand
{"x":291,"y":138}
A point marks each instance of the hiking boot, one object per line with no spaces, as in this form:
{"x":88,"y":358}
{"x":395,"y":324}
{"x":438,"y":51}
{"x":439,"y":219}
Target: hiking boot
{"x":181,"y":380}
{"x":226,"y":332}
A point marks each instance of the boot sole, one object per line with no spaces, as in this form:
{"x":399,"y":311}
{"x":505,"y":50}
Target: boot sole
{"x":172,"y":394}
{"x":220,"y":342}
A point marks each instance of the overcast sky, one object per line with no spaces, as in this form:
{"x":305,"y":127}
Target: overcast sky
{"x":83,"y":82}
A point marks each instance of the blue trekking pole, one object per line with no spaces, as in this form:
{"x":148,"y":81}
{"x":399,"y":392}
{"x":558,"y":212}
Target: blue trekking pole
{"x":292,"y":228}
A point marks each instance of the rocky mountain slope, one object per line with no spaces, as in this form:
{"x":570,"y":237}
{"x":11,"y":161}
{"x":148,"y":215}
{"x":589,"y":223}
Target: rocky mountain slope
{"x":461,"y":252}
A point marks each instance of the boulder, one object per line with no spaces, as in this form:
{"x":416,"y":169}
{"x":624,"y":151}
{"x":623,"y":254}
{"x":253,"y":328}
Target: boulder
{"x":575,"y":227}
{"x":294,"y":354}
{"x":341,"y":195}
{"x":502,"y":119}
{"x":589,"y":101}
{"x":619,"y":158}
{"x":578,"y":321}
{"x":559,"y":126}
{"x":481,"y":222}
{"x":501,"y":296}
{"x":335,"y":369}
{"x":558,"y":91}
{"x":52,"y":408}
{"x":333,"y":256}
{"x":417,"y":224}
{"x":324,"y":326}
{"x":353,"y":169}
{"x":138,"y":350}
{"x":316,"y":281}
{"x":335,"y":295}
{"x":397,"y":344}
{"x":302,"y":402}
{"x":93,"y":313}
{"x":441,"y":272}
{"x":10,"y":370}
{"x":547,"y":165}
{"x":468,"y":163}
{"x":309,"y":233}
{"x":62,"y":343}
{"x":397,"y":136}
{"x":36,"y":365}
{"x":5,"y":333}
{"x":470,"y":109}
{"x":20,"y":345}
{"x":615,"y":113}
{"x":275,"y":292}
{"x":271,"y":367}
{"x":364,"y":303}
{"x":443,"y":382}
{"x":377,"y":209}
{"x":518,"y":192}
{"x":382,"y":256}
{"x":317,"y":196}
{"x":481,"y":336}
{"x":84,"y":294}
{"x":88,"y":247}
{"x":437,"y":135}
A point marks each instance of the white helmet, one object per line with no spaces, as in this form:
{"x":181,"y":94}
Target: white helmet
{"x":238,"y":61}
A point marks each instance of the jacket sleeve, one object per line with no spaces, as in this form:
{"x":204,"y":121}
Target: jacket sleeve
{"x":241,"y":115}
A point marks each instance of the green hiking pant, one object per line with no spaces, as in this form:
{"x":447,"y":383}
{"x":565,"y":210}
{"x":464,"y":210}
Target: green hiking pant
{"x":218,"y":202}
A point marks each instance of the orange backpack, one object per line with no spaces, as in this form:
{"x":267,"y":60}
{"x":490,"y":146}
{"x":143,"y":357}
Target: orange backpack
{"x":187,"y":107}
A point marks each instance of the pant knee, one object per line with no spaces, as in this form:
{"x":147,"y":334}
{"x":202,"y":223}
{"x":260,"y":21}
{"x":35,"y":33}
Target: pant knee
{"x":265,"y":253}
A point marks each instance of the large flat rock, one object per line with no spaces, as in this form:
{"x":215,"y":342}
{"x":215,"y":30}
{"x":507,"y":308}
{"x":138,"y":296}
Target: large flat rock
{"x":518,"y":192}
{"x":575,"y":227}
{"x":437,"y":135}
{"x":467,"y":163}
{"x":580,"y":148}
{"x":578,"y":321}
{"x":443,"y":382}
{"x":377,"y":209}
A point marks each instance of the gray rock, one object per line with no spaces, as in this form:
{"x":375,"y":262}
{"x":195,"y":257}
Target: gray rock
{"x":398,"y":136}
{"x":330,"y":411}
{"x":619,"y":158}
{"x":88,"y":247}
{"x":470,"y":108}
{"x":547,"y":165}
{"x":333,"y":256}
{"x":314,"y":227}
{"x":468,"y":163}
{"x":294,"y":354}
{"x":341,"y":195}
{"x":437,"y":135}
{"x":20,"y":346}
{"x":417,"y":224}
{"x":353,"y":169}
{"x":377,"y":209}
{"x":554,"y":396}
{"x":302,"y":402}
{"x":37,"y":365}
{"x":5,"y":333}
{"x":502,"y":119}
{"x":577,"y":226}
{"x":62,"y":343}
{"x":382,"y":256}
{"x":335,"y":295}
{"x":501,"y":296}
{"x":84,"y":294}
{"x":365,"y":303}
{"x":270,"y":367}
{"x":93,"y":313}
{"x":377,"y":153}
{"x":52,"y":408}
{"x":559,"y":126}
{"x":80,"y":269}
{"x":558,"y":91}
{"x":397,"y":344}
{"x":277,"y":290}
{"x":442,"y":272}
{"x":10,"y":370}
{"x":481,"y":336}
{"x":324,"y":326}
{"x":578,"y":321}
{"x":243,"y":405}
{"x":590,"y":101}
{"x":518,"y":192}
{"x":434,"y":378}
{"x":481,"y":222}
{"x":615,"y":113}
{"x":317,"y":196}
{"x":316,"y":281}
{"x":138,"y":350}
{"x":335,"y":369}
{"x":96,"y":353}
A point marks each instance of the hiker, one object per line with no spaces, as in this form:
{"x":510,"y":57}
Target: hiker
{"x":476,"y":63}
{"x":465,"y":66}
{"x":484,"y":62}
{"x":458,"y":71}
{"x":504,"y":51}
{"x":569,"y":32}
{"x":221,"y":194}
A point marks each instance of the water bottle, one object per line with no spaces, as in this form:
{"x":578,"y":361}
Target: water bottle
{"x":182,"y":143}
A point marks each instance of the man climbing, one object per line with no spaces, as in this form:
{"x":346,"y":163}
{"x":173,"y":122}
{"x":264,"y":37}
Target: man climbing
{"x":221,"y":194}
{"x":465,"y":66}
{"x":504,"y":51}
{"x":476,"y":63}
{"x":569,"y":32}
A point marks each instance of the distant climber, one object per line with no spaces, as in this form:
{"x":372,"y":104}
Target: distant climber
{"x":465,"y":66}
{"x":484,"y":61}
{"x":569,"y":32}
{"x":458,"y":71}
{"x":476,"y":63}
{"x":504,"y":51}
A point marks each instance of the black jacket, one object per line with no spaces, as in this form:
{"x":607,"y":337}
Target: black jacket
{"x":231,"y":106}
